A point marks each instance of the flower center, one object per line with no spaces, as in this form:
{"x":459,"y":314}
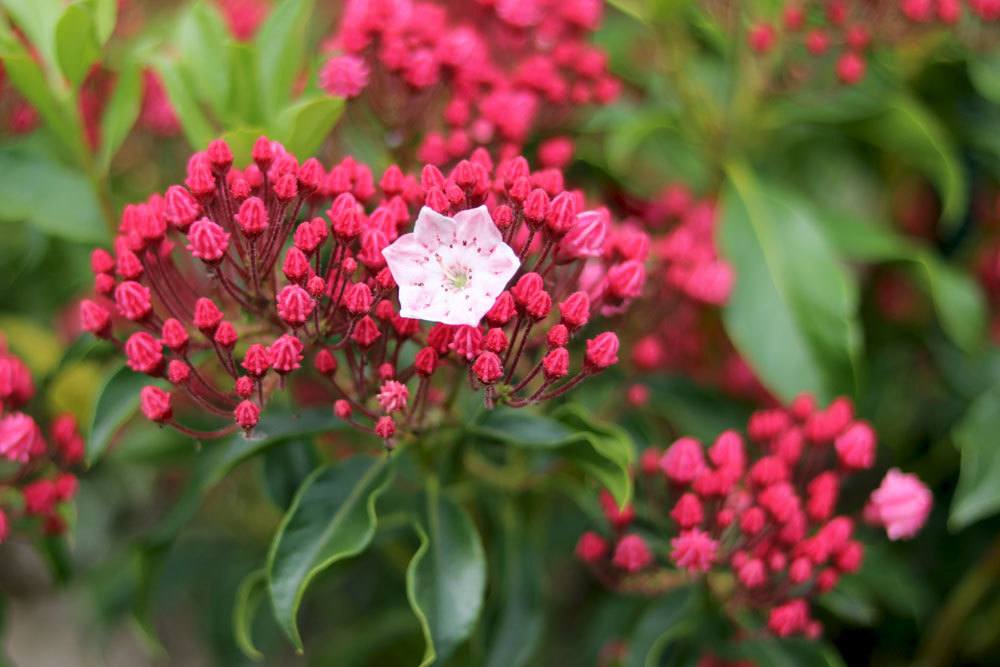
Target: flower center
{"x":458,"y":276}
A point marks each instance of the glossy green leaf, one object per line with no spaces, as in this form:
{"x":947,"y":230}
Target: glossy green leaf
{"x":332,"y":518}
{"x":37,"y":19}
{"x":77,"y":48}
{"x":116,"y":403}
{"x":121,"y":113}
{"x":789,"y":652}
{"x":57,"y":200}
{"x":446,"y":578}
{"x":958,"y":300}
{"x":243,"y":104}
{"x":198,"y":130}
{"x":913,"y":134}
{"x":57,"y":111}
{"x":519,"y":627}
{"x":251,"y":593}
{"x":694,"y":409}
{"x":202,"y":40}
{"x":978,"y":492}
{"x":303,"y":126}
{"x":221,"y":458}
{"x":281,"y":46}
{"x":660,"y":623}
{"x":105,"y":18}
{"x":286,"y":468}
{"x":603,"y":451}
{"x":793,"y":311}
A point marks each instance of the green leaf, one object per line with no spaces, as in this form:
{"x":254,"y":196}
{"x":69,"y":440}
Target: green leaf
{"x":331,"y":518}
{"x":248,"y":598}
{"x":793,"y":312}
{"x":77,"y":47}
{"x":789,"y":652}
{"x":121,"y":114}
{"x":446,"y":578}
{"x":203,"y":41}
{"x":957,"y":299}
{"x":286,"y":468}
{"x":37,"y":19}
{"x":909,"y":130}
{"x":303,"y":126}
{"x":44,"y":193}
{"x":117,"y":401}
{"x":984,"y":70}
{"x":243,"y":103}
{"x":281,"y":47}
{"x":519,"y":628}
{"x":58,"y":111}
{"x":105,"y":18}
{"x":978,"y":492}
{"x":221,"y":458}
{"x":198,"y":130}
{"x":603,"y":451}
{"x":695,"y":410}
{"x":661,"y":622}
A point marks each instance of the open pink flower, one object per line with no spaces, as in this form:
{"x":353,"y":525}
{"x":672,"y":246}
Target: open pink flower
{"x":451,"y":270}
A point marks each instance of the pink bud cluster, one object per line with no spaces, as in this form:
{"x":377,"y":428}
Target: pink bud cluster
{"x":498,"y":69}
{"x":812,"y":29}
{"x":226,"y":286}
{"x":35,"y":482}
{"x":764,"y":509}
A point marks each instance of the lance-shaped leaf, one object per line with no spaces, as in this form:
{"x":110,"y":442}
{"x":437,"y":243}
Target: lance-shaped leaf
{"x":446,"y":579}
{"x":332,"y":518}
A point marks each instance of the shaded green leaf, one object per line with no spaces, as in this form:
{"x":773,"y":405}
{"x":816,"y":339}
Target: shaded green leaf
{"x":446,"y":578}
{"x":331,"y":518}
{"x":661,"y":622}
{"x":603,"y":451}
{"x":793,"y":311}
{"x":54,"y":198}
{"x":695,"y":410}
{"x":198,"y":130}
{"x":286,"y":468}
{"x":77,"y":47}
{"x":202,"y":40}
{"x":789,"y":652}
{"x":281,"y":46}
{"x":978,"y":492}
{"x":116,"y":403}
{"x":250,"y":594}
{"x":120,"y":114}
{"x":911,"y":132}
{"x":303,"y":126}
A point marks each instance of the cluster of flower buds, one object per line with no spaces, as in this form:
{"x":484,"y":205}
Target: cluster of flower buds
{"x":35,"y":482}
{"x":224,"y":286}
{"x":764,"y":510}
{"x":498,"y":69}
{"x":849,"y":28}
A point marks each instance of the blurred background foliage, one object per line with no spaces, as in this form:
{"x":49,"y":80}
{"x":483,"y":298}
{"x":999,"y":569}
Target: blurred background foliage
{"x":830,"y":196}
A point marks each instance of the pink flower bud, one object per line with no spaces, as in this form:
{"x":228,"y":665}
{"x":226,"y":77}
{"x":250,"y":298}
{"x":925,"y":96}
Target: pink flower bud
{"x":555,"y":364}
{"x":602,"y":351}
{"x":751,"y":574}
{"x":178,"y":372}
{"x":487,"y":367}
{"x":850,"y":68}
{"x":207,"y":316}
{"x":366,"y":332}
{"x":385,"y":428}
{"x":247,"y":414}
{"x":325,"y":363}
{"x":95,"y":318}
{"x":574,"y":310}
{"x":694,"y":550}
{"x":20,"y":437}
{"x":901,"y":504}
{"x":295,"y":305}
{"x":789,"y":618}
{"x":558,"y":336}
{"x":688,"y":512}
{"x":257,"y":360}
{"x":342,"y":409}
{"x":286,"y":354}
{"x":358,"y":299}
{"x":101,"y":261}
{"x":133,"y":300}
{"x":252,"y":217}
{"x":225,"y":335}
{"x":145,"y":354}
{"x":632,"y":554}
{"x":762,"y":37}
{"x":155,"y":404}
{"x":591,"y":548}
{"x":856,"y":446}
{"x":683,"y":461}
{"x":393,"y":395}
{"x":626,"y":280}
{"x":244,"y":386}
{"x":496,"y":341}
{"x":207,"y":241}
{"x":503,"y":310}
{"x":425,"y":362}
